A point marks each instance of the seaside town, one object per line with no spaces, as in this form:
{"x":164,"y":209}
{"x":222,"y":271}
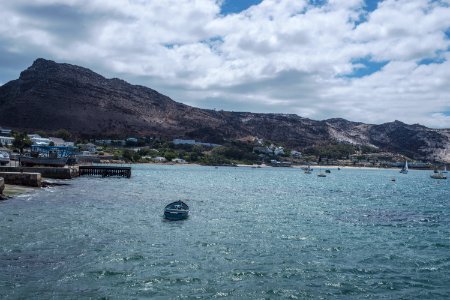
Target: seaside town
{"x":253,"y":151}
{"x":60,"y":156}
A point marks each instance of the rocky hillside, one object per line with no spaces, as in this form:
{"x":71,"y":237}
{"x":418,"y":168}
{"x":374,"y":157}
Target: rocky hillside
{"x":49,"y":96}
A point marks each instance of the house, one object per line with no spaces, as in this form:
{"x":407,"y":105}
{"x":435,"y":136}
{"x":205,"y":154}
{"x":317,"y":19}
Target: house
{"x":132,"y":140}
{"x":6,"y":140}
{"x":159,"y":159}
{"x":91,"y":148}
{"x":179,"y":161}
{"x":60,"y":142}
{"x":296,"y":154}
{"x":5,"y":132}
{"x":278,"y":151}
{"x":36,"y":139}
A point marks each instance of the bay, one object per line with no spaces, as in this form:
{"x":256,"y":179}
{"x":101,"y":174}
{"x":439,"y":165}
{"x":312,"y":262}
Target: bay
{"x":252,"y":234}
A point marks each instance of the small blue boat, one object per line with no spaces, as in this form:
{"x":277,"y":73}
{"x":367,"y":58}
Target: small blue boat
{"x":177,"y":210}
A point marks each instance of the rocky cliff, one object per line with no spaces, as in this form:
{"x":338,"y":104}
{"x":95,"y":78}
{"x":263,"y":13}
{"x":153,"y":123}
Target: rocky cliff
{"x":49,"y":96}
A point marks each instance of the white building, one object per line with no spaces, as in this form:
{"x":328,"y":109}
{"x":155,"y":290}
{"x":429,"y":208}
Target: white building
{"x":6,"y":140}
{"x":132,"y":140}
{"x":295,"y":153}
{"x":159,"y":159}
{"x":39,"y":141}
{"x":4,"y":131}
{"x":278,"y":151}
{"x":60,"y":142}
{"x":179,"y":161}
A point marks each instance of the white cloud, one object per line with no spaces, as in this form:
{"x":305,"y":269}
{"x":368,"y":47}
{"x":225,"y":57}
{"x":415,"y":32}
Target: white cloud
{"x":278,"y":56}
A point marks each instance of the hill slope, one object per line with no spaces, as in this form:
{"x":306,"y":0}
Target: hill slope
{"x":49,"y":96}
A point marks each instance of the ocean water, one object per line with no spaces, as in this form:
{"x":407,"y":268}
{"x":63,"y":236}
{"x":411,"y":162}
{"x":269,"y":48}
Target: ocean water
{"x":264,"y":233}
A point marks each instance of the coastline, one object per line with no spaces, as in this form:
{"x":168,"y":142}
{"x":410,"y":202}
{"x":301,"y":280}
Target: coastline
{"x":324,"y":167}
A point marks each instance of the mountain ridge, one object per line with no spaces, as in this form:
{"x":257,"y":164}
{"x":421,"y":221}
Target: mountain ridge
{"x":50,"y":96}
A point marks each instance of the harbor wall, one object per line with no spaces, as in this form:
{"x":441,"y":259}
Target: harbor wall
{"x":46,"y":172}
{"x":26,"y":179}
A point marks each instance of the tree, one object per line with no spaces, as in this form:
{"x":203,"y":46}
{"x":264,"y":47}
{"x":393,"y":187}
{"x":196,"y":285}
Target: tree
{"x":63,"y":134}
{"x":42,"y":133}
{"x":21,"y":141}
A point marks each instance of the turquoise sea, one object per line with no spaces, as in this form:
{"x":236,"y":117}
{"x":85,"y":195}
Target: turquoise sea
{"x":264,"y":233}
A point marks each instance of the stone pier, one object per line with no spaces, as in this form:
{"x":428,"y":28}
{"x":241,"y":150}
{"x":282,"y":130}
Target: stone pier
{"x":46,"y":172}
{"x":18,"y":178}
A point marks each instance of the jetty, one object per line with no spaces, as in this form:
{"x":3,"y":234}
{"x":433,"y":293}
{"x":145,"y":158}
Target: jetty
{"x":47,"y":172}
{"x":21,"y":178}
{"x":105,"y":171}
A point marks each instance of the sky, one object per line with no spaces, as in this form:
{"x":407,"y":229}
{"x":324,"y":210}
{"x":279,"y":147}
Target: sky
{"x":367,"y":61}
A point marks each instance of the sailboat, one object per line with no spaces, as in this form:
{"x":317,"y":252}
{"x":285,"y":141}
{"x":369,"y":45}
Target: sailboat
{"x":308,"y":170}
{"x":445,"y":170}
{"x":439,"y":175}
{"x":404,"y":170}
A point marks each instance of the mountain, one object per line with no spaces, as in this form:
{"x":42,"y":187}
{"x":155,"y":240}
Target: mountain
{"x":49,"y":96}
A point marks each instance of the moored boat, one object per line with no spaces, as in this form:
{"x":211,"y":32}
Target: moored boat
{"x":321,"y":174}
{"x":51,"y":156}
{"x":404,"y":170}
{"x":177,"y":210}
{"x":438,"y":175}
{"x":308,"y":169}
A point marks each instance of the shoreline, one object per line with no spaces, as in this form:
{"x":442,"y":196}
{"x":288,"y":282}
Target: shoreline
{"x":324,"y":167}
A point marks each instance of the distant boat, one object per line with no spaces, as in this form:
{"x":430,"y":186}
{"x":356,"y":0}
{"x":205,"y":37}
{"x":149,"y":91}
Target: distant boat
{"x":445,"y":170}
{"x":327,"y":171}
{"x":177,"y":210}
{"x":404,"y":170}
{"x":321,"y":174}
{"x":308,"y":170}
{"x":439,"y":175}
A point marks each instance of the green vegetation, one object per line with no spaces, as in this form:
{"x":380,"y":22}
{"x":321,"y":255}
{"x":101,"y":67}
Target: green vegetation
{"x":228,"y":154}
{"x":338,"y":151}
{"x":63,"y":134}
{"x":21,"y":141}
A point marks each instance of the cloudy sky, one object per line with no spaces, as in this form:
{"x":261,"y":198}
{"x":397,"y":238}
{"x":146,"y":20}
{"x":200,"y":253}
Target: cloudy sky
{"x":370,"y":61}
